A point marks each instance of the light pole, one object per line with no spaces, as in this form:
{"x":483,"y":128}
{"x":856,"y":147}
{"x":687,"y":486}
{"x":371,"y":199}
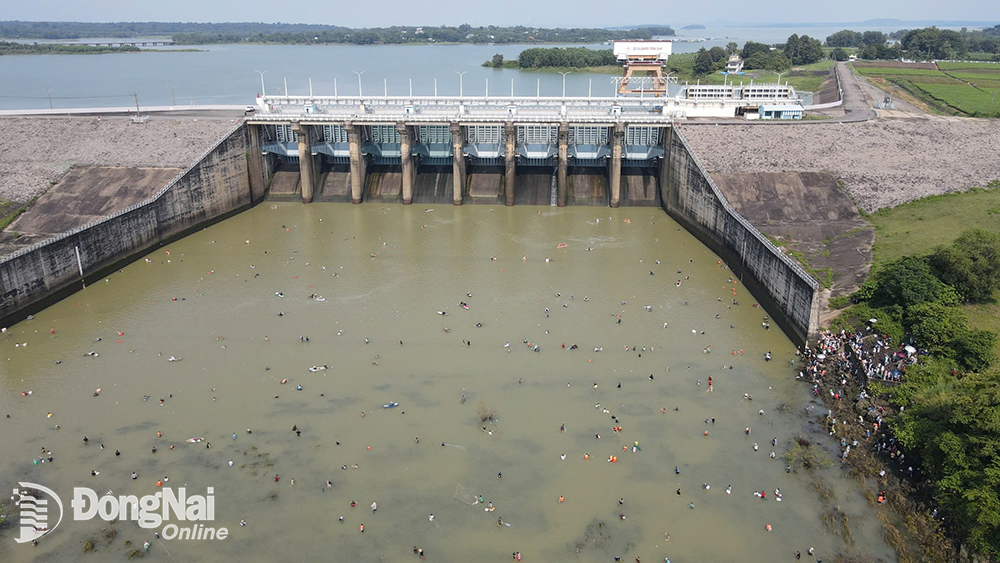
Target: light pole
{"x":49,"y":92}
{"x":779,"y":77}
{"x":461,"y":76}
{"x":991,"y":100}
{"x":173,"y":99}
{"x":564,"y":81}
{"x":263,"y":91}
{"x":359,"y":80}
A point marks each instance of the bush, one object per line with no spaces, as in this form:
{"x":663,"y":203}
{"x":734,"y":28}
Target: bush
{"x":971,"y":264}
{"x":907,"y":282}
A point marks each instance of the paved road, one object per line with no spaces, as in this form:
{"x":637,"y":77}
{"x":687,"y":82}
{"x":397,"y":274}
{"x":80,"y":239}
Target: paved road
{"x":855,"y":106}
{"x":198,"y":111}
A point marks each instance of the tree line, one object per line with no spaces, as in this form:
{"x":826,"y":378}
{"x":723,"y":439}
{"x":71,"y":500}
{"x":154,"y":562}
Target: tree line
{"x":564,"y":57}
{"x":304,"y":34}
{"x":924,"y":43}
{"x":13,"y":48}
{"x":443,"y":34}
{"x":77,"y":30}
{"x":950,"y":401}
{"x":796,"y":50}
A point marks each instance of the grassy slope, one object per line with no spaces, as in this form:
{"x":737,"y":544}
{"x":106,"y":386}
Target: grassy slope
{"x":918,"y":227}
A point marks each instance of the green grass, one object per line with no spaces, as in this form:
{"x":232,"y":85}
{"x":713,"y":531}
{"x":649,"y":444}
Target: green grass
{"x":969,"y":100}
{"x":801,"y":78}
{"x":957,"y":66}
{"x":884,"y":70}
{"x":919,"y":226}
{"x":10,"y":211}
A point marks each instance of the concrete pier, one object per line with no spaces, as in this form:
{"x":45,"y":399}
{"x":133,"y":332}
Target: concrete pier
{"x":615,"y":172}
{"x":458,"y":161}
{"x":510,"y":163}
{"x":562,"y":185}
{"x":357,"y":162}
{"x":406,"y":161}
{"x":307,"y":165}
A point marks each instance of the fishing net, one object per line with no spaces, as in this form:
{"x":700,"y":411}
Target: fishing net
{"x":466,"y":495}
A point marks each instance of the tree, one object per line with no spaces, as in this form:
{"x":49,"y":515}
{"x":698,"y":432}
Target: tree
{"x":907,"y":282}
{"x":752,"y":47}
{"x":971,"y":264}
{"x":718,"y":54}
{"x":872,"y":38}
{"x":937,"y":327}
{"x":838,"y":54}
{"x":702,"y":62}
{"x":497,"y":61}
{"x":974,"y":349}
{"x":732,"y":48}
{"x":791,"y":49}
{"x":845,"y":38}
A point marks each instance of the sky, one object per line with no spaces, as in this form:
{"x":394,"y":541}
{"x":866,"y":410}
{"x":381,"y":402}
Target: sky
{"x":545,"y":13}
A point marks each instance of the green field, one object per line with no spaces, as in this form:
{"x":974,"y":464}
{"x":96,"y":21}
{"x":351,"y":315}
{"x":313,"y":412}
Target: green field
{"x":948,"y":90}
{"x":803,"y":77}
{"x":886,"y":71}
{"x":975,"y":76}
{"x":959,"y":66}
{"x":965,"y":98}
{"x":920,"y":226}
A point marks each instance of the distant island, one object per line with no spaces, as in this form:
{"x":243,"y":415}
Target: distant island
{"x":13,"y":48}
{"x":307,"y":34}
{"x":695,"y":26}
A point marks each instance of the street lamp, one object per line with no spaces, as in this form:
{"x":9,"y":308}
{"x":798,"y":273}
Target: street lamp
{"x":263,"y":91}
{"x":779,"y":77}
{"x":359,"y":80}
{"x":173,"y":99}
{"x":564,"y":81}
{"x":991,"y":101}
{"x":461,"y":75}
{"x":49,"y":92}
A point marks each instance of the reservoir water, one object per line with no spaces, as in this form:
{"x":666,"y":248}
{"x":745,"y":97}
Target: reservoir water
{"x":266,"y":295}
{"x":226,"y":74}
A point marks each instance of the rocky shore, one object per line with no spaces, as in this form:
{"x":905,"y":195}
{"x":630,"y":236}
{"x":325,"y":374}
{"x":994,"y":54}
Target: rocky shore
{"x":882,"y":163}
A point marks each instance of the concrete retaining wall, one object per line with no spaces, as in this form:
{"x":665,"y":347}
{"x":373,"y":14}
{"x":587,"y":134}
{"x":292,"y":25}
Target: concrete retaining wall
{"x":690,"y":196}
{"x":229,"y":177}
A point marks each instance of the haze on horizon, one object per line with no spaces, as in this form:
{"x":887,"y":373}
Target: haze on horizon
{"x":558,"y":13}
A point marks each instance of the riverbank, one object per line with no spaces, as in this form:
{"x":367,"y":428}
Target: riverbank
{"x":857,"y":418}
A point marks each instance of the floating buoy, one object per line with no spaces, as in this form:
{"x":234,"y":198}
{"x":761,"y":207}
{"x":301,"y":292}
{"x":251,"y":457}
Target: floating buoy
{"x":768,"y":527}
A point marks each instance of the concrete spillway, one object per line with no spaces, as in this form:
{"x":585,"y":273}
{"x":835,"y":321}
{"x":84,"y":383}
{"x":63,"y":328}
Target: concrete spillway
{"x":228,"y":178}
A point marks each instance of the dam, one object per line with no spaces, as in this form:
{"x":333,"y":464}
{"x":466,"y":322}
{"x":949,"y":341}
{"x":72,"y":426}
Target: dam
{"x":373,"y":296}
{"x":539,"y":151}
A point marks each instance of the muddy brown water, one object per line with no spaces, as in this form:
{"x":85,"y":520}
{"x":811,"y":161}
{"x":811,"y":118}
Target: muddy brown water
{"x":384,"y":272}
